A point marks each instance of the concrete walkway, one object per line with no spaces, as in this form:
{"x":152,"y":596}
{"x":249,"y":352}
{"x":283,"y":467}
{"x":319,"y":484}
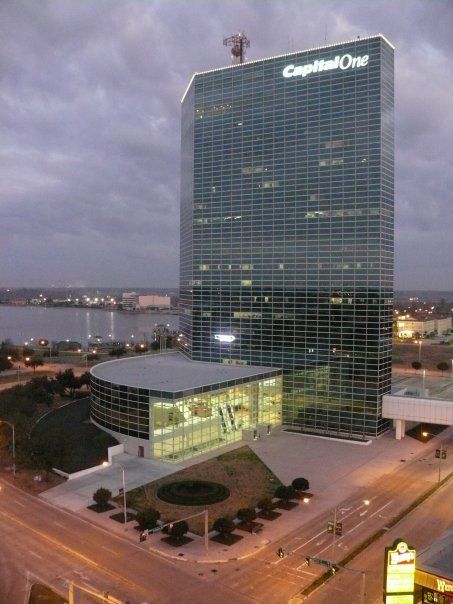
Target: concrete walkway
{"x":336,"y":471}
{"x":77,"y":494}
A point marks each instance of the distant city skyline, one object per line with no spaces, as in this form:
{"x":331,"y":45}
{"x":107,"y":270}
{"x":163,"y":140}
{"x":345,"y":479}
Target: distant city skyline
{"x":90,"y":128}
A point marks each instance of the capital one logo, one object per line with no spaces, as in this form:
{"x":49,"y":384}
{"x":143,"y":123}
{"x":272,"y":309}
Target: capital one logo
{"x":345,"y":62}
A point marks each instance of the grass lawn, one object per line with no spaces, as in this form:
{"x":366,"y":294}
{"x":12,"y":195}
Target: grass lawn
{"x":431,"y":355}
{"x":83,"y":445}
{"x":246,"y":476}
{"x":41,"y":594}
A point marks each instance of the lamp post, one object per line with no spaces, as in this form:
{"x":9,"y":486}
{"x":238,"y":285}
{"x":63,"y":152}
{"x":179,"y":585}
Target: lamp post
{"x":423,"y":383}
{"x":3,"y":421}
{"x":123,"y":472}
{"x":419,"y":342}
{"x":442,"y":451}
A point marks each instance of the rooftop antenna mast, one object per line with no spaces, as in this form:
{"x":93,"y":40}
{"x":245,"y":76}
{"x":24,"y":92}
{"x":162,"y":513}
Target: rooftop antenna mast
{"x":238,"y":42}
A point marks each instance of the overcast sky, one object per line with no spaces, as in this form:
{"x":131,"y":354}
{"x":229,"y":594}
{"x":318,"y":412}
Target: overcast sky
{"x":90,"y":120}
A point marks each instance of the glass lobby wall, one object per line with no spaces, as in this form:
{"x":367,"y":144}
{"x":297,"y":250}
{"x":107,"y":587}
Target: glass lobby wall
{"x":196,"y":424}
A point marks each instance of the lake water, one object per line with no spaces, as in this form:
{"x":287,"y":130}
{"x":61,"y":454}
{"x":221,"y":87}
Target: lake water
{"x":21,"y":323}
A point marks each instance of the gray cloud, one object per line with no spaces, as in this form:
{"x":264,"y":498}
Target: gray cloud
{"x":89,"y":126}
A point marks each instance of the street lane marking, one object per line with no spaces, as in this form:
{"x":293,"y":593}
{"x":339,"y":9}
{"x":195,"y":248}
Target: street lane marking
{"x":112,"y":551}
{"x":380,"y":509}
{"x":69,"y":550}
{"x":18,"y":502}
{"x":59,"y":524}
{"x":35,"y":554}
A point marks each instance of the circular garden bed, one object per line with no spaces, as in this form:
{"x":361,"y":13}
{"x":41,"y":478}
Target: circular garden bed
{"x":193,"y":492}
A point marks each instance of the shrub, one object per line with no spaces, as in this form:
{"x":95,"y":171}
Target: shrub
{"x":266,"y":505}
{"x":177,"y":530}
{"x":147,"y":518}
{"x":224,"y":526}
{"x":443,"y":366}
{"x":102,"y":496}
{"x":300,"y":484}
{"x":416,"y":365}
{"x":285,"y":492}
{"x":246,"y":514}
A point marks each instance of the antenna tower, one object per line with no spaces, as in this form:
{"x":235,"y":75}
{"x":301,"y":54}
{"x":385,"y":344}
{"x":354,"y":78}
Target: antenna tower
{"x":238,"y":42}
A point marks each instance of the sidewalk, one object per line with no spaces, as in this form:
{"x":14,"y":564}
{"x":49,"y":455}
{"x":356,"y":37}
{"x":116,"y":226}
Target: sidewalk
{"x":336,"y":471}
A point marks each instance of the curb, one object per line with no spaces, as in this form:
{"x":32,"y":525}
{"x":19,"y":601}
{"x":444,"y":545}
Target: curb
{"x":209,"y":561}
{"x":326,"y":576}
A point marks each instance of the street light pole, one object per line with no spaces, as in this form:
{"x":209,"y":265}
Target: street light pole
{"x":123,"y":472}
{"x":419,"y":351}
{"x":441,"y":451}
{"x":14,"y":444}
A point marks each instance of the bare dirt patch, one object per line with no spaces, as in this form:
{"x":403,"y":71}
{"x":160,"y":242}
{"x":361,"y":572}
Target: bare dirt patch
{"x":245,"y":475}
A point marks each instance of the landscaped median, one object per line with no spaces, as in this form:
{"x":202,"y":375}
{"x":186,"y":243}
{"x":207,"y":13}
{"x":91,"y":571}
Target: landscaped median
{"x":241,"y":499}
{"x":319,"y":581}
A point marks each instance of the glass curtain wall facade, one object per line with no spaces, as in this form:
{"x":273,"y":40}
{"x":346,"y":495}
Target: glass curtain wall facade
{"x":287,"y":227}
{"x":179,"y":427}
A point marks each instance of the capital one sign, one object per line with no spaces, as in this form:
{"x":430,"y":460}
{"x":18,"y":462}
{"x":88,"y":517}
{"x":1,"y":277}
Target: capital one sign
{"x":339,"y":62}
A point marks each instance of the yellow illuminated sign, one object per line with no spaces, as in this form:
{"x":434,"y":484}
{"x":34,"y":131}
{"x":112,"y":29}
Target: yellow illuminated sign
{"x":399,"y":573}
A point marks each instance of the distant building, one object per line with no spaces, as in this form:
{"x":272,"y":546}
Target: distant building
{"x":409,"y":327}
{"x":154,"y":301}
{"x":129,"y":301}
{"x":134,"y":301}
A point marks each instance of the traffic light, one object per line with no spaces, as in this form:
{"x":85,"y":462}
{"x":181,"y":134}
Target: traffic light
{"x":307,"y":560}
{"x":334,"y":569}
{"x":281,"y":552}
{"x":143,"y":535}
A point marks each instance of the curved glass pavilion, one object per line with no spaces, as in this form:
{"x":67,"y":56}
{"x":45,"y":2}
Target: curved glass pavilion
{"x":168,"y":407}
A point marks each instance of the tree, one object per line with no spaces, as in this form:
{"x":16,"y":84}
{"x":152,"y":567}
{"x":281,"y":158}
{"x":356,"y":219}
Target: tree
{"x":443,"y":366}
{"x":66,"y":380}
{"x":285,"y":492}
{"x":224,"y":526}
{"x":300,"y":484}
{"x":34,"y":362}
{"x":5,"y":363}
{"x":155,"y":345}
{"x":47,"y":452}
{"x":147,"y":518}
{"x":117,"y":352}
{"x":246,"y":515}
{"x":266,"y":505}
{"x":41,"y":390}
{"x":102,"y":497}
{"x":84,"y":380}
{"x":177,"y":530}
{"x":416,"y":365}
{"x":92,"y":356}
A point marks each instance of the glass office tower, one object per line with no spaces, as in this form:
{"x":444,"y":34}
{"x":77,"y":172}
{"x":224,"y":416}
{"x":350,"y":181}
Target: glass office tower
{"x":287,"y":227}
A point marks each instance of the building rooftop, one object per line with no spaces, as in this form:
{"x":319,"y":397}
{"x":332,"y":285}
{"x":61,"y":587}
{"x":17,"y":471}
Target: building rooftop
{"x":286,"y":54}
{"x":437,"y":558}
{"x":173,"y":372}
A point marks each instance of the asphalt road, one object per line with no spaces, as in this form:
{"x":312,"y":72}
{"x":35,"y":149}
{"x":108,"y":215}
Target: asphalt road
{"x":55,"y":545}
{"x":420,"y":528}
{"x":270,"y":580}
